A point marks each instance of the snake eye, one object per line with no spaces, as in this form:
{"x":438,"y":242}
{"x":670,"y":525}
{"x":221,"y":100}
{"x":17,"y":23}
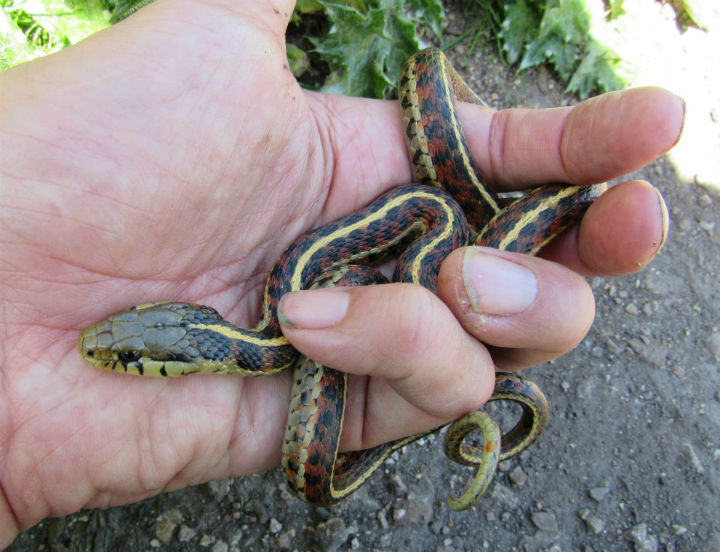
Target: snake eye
{"x":126,"y":357}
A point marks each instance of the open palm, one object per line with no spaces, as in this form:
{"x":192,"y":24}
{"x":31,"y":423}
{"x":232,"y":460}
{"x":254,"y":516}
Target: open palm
{"x":176,"y":158}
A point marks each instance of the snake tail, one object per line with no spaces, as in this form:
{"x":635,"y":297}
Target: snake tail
{"x":533,"y":220}
{"x":532,"y":422}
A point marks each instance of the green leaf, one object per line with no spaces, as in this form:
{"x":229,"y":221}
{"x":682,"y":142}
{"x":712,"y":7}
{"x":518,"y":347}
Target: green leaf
{"x":563,"y":29}
{"x":355,"y":49}
{"x":297,"y":59}
{"x":518,"y":29}
{"x":400,"y":30}
{"x":51,"y":26}
{"x":597,"y":70}
{"x":614,"y":8}
{"x":429,"y":13}
{"x":308,"y":6}
{"x":366,"y":51}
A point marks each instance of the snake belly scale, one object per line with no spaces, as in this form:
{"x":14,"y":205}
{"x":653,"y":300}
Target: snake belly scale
{"x":419,"y":225}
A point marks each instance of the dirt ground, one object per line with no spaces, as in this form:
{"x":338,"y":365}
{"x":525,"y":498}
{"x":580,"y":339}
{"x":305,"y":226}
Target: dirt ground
{"x":630,"y":460}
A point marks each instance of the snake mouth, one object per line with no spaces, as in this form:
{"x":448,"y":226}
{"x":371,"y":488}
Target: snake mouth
{"x":90,"y":347}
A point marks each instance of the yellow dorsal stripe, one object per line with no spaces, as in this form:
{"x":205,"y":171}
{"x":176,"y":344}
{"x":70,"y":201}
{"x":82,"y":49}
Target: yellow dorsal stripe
{"x":380,"y":213}
{"x":487,"y":197}
{"x":241,"y":335}
{"x":531,"y":215}
{"x":430,"y":247}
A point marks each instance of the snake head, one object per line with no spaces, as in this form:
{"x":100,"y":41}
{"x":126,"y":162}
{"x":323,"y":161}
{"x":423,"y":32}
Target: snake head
{"x":152,"y":340}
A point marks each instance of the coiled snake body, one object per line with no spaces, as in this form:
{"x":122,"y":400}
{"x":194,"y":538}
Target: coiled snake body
{"x":420,"y":224}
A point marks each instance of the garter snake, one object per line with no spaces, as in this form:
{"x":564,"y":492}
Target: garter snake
{"x":420,"y":224}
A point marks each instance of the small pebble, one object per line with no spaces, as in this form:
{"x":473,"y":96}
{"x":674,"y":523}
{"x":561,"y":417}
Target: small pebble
{"x":166,"y":524}
{"x":545,"y":521}
{"x":285,"y":540}
{"x":331,"y":534}
{"x":220,"y":546}
{"x":206,"y":540}
{"x":678,"y":371}
{"x":599,"y":493}
{"x":186,"y":534}
{"x":644,"y":542}
{"x":678,"y":530}
{"x":713,"y":341}
{"x":275,"y":526}
{"x":595,"y":524}
{"x":382,"y":520}
{"x":220,"y":488}
{"x":518,"y":476}
{"x":398,"y":485}
{"x":399,"y":514}
{"x":684,"y":224}
{"x":709,"y":227}
{"x":693,"y":457}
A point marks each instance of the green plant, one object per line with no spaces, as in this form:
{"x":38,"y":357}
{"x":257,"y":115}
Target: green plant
{"x":559,"y":33}
{"x":49,"y":26}
{"x":357,"y":47}
{"x":368,"y":42}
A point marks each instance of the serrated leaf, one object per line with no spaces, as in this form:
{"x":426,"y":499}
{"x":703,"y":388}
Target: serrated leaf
{"x":596,"y":71}
{"x":569,"y":19}
{"x":518,"y":29}
{"x":400,"y":30}
{"x":356,"y":49}
{"x":563,"y":29}
{"x":366,"y":51}
{"x":429,"y":13}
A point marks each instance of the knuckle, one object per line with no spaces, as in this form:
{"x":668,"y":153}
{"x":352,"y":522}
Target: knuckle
{"x":420,"y":324}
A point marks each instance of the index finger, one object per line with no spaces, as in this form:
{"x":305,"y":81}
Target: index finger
{"x":599,"y":139}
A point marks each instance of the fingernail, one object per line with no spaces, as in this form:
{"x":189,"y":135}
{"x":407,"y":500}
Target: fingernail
{"x":682,"y":107}
{"x":313,"y":309}
{"x":665,"y":219}
{"x":495,"y":285}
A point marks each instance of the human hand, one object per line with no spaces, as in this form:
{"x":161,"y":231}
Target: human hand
{"x":162,"y":158}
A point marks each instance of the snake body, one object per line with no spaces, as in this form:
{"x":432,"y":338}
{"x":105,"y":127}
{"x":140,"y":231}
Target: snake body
{"x":172,"y":339}
{"x":420,"y":225}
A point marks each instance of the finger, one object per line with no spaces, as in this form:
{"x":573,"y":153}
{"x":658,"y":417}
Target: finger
{"x":621,"y":232}
{"x":530,"y":310}
{"x":427,"y":369}
{"x":599,"y":139}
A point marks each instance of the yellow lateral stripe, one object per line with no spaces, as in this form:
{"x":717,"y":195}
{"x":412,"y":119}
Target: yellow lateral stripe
{"x":241,"y":335}
{"x":531,"y":215}
{"x":430,"y":247}
{"x":295,"y":281}
{"x":489,"y":199}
